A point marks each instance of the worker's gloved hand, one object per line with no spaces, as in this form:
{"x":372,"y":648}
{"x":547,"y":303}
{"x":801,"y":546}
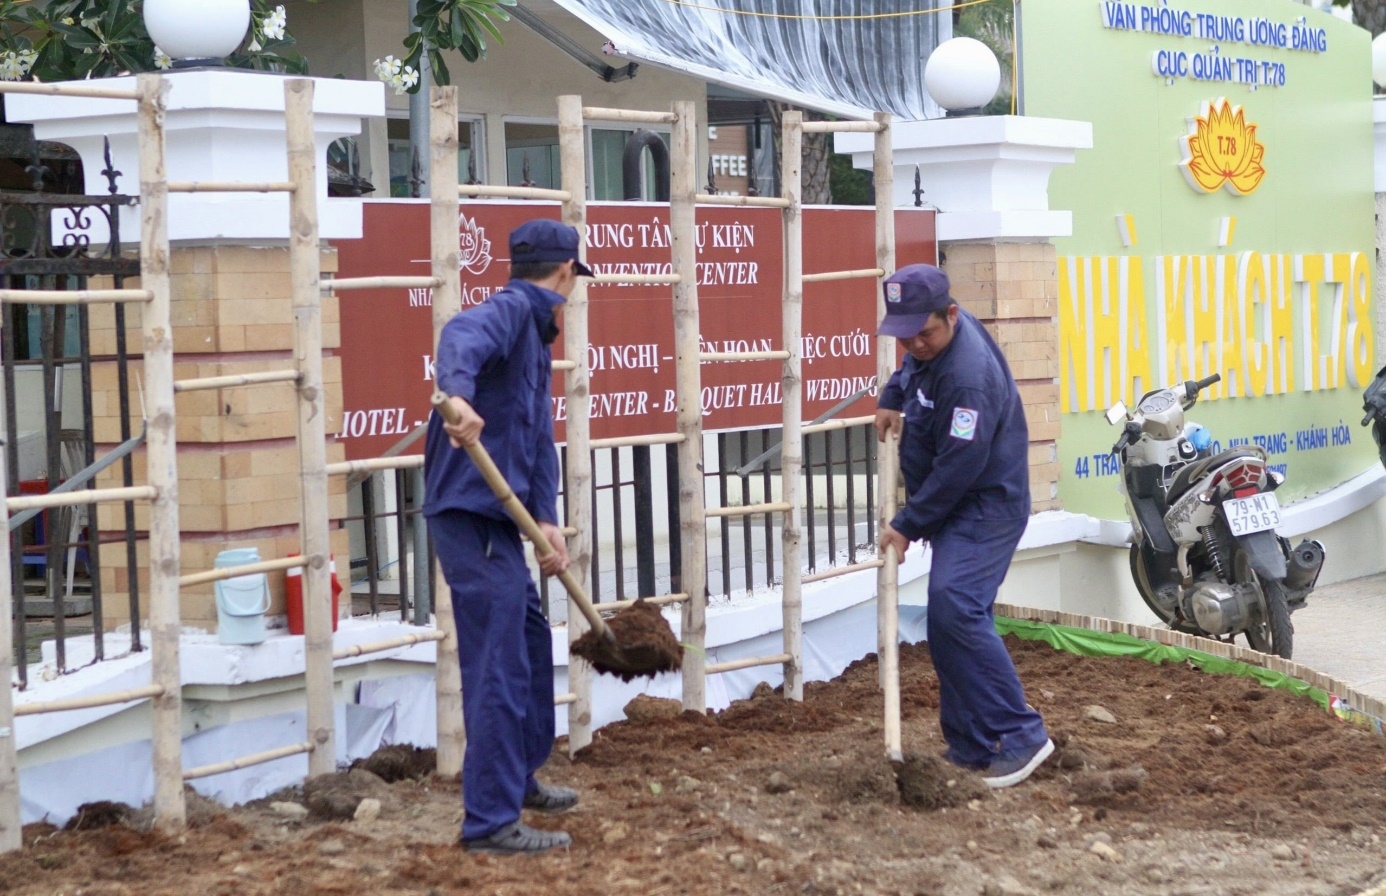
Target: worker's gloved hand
{"x":888,"y":421}
{"x":467,"y":429}
{"x":556,"y":560}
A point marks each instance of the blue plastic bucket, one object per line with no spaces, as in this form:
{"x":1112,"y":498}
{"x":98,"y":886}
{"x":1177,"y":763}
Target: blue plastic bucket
{"x":243,"y":601}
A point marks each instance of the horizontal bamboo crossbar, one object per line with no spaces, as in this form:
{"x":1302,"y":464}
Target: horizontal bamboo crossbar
{"x":842,"y":571}
{"x":564,"y":699}
{"x":231,"y":765}
{"x":247,"y":569}
{"x":74,"y":296}
{"x":80,"y":497}
{"x":753,"y":201}
{"x":661,"y":438}
{"x":236,"y":379}
{"x":342,"y":653}
{"x":370,"y":465}
{"x":743,"y":356}
{"x":830,"y":425}
{"x":660,"y":601}
{"x":843,"y":127}
{"x":84,"y":89}
{"x":860,"y":274}
{"x":343,"y":284}
{"x":564,"y":365}
{"x":471,"y":191}
{"x":133,"y":694}
{"x":748,"y":663}
{"x":217,"y":186}
{"x":748,"y":509}
{"x":636,"y":279}
{"x":603,"y":114}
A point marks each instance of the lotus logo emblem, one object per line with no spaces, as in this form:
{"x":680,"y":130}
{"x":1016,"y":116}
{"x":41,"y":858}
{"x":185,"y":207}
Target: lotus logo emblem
{"x":1221,"y":150}
{"x":474,"y":249}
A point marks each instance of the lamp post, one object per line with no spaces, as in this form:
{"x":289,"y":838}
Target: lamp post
{"x":197,"y":34}
{"x":962,"y":75}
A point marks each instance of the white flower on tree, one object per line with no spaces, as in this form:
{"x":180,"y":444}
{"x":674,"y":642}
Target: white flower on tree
{"x":161,"y":59}
{"x":275,"y":23}
{"x":396,"y":74}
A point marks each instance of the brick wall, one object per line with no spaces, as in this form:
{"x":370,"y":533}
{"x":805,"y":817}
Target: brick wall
{"x":1013,"y":289}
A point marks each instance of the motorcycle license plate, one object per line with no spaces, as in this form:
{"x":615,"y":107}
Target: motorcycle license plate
{"x":1254,"y":514}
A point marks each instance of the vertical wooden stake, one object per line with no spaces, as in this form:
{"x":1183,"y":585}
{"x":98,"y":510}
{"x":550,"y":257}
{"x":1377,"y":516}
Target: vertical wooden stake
{"x":161,"y":458}
{"x":683,"y":190}
{"x":578,"y":481}
{"x":791,"y":439}
{"x":10,"y":830}
{"x":447,"y":302}
{"x":305,"y":268}
{"x":888,"y":578}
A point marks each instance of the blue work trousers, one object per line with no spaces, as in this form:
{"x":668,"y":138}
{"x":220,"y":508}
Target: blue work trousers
{"x":982,"y":706}
{"x":505,"y":647}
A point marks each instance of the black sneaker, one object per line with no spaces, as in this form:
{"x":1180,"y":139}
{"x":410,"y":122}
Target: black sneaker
{"x":551,"y":798}
{"x":516,"y":839}
{"x":1010,"y":769}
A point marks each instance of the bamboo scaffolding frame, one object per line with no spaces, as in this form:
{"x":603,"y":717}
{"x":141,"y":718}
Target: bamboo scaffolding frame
{"x":231,"y":765}
{"x":847,"y":127}
{"x":471,"y":191}
{"x":840,"y":423}
{"x":236,"y":379}
{"x":792,"y":390}
{"x":85,"y":89}
{"x":74,"y":297}
{"x":161,"y":457}
{"x":752,"y":201}
{"x":750,"y":509}
{"x":80,"y":497}
{"x":245,"y":569}
{"x":748,"y":663}
{"x":218,"y":186}
{"x":345,"y":284}
{"x":565,"y":699}
{"x":398,"y":462}
{"x":342,"y":653}
{"x":664,"y":438}
{"x":577,"y":392}
{"x":446,"y":268}
{"x":712,"y":357}
{"x":837,"y":571}
{"x":662,"y":600}
{"x":111,"y":699}
{"x":602,"y":113}
{"x":636,"y":279}
{"x":827,"y":276}
{"x":11,"y":837}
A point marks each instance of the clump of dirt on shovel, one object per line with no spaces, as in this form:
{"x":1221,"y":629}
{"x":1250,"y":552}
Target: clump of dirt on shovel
{"x":646,"y":645}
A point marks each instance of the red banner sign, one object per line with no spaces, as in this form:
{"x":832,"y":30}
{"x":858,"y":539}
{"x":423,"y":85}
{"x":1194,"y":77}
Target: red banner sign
{"x":387,"y":334}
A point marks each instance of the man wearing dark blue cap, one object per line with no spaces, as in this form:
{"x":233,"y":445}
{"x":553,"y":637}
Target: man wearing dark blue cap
{"x":964,"y":453}
{"x":494,"y":362}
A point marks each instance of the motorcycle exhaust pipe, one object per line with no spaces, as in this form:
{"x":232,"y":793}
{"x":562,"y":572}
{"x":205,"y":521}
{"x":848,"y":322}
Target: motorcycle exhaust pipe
{"x":1303,"y":565}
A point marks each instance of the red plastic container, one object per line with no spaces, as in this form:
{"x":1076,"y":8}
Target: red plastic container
{"x":293,"y":597}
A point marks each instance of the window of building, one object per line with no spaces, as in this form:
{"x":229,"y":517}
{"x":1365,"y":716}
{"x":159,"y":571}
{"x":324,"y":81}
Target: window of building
{"x":608,"y":148}
{"x":532,"y":148}
{"x":469,"y":141}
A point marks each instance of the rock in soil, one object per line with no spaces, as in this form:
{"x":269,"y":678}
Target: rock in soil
{"x":1099,"y":714}
{"x":336,"y":797}
{"x":928,"y":782}
{"x":400,"y":762}
{"x":1099,"y":787}
{"x":778,"y":783}
{"x":645,"y":708}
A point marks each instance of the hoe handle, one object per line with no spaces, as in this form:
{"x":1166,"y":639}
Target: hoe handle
{"x":492,"y":474}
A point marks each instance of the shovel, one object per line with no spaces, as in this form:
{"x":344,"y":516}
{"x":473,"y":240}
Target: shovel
{"x":653,"y":647}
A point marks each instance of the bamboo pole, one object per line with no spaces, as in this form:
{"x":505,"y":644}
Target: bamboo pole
{"x":841,"y":423}
{"x":613,"y":606}
{"x":344,"y":284}
{"x":85,"y":89}
{"x":343,"y":653}
{"x":114,"y":697}
{"x":664,"y":438}
{"x":692,"y":533}
{"x":888,"y":580}
{"x":244,"y":569}
{"x":749,"y":663}
{"x":753,"y":201}
{"x":10,"y":829}
{"x":161,"y":458}
{"x":604,"y":114}
{"x":216,"y":186}
{"x":564,"y":699}
{"x":236,"y":379}
{"x":846,"y":127}
{"x":578,"y":392}
{"x":231,"y":765}
{"x":399,"y":462}
{"x":472,"y":190}
{"x":837,"y":571}
{"x":78,"y":498}
{"x":304,"y":266}
{"x":792,"y":439}
{"x":73,"y":297}
{"x":447,"y":302}
{"x":860,"y":274}
{"x":749,"y":509}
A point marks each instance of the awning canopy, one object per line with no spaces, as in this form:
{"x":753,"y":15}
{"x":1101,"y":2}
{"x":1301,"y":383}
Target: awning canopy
{"x":790,"y":50}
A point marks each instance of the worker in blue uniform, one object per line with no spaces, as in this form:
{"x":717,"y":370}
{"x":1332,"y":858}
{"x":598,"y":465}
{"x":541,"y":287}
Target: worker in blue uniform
{"x":964,"y":454}
{"x":494,"y":361}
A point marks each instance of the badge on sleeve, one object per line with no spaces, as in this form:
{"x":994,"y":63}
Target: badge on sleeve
{"x":964,"y":424}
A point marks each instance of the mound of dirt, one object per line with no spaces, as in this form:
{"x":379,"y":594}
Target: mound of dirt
{"x":400,"y":762}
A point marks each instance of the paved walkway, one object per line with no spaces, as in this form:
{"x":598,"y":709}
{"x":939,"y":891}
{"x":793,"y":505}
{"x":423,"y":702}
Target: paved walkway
{"x":1342,"y":632}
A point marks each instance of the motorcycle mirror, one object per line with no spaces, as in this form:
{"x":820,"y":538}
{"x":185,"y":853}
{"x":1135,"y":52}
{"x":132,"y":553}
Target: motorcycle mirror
{"x":1116,"y":413}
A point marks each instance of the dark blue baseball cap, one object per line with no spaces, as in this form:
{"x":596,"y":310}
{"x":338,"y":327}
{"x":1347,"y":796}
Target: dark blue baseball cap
{"x":546,"y":240}
{"x":911,"y":295}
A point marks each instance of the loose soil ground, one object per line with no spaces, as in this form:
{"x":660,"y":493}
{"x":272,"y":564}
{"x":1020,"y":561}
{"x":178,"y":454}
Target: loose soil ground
{"x":1187,"y":785}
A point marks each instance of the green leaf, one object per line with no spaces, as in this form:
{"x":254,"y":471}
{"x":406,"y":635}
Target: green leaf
{"x":440,"y":68}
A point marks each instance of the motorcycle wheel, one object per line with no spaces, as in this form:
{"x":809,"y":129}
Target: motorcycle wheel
{"x":1147,"y":594}
{"x":1274,"y":634}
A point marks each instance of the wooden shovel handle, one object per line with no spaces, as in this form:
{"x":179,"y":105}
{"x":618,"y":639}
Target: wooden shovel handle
{"x":492,"y":474}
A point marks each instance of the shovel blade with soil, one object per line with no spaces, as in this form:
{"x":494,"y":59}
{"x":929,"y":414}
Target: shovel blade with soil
{"x":640,"y":643}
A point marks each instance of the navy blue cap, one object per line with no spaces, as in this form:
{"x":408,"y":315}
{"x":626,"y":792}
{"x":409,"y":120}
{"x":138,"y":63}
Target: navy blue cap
{"x":911,"y":295}
{"x":545,"y":240}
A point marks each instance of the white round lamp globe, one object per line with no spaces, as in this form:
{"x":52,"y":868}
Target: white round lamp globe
{"x":1379,"y":59}
{"x":197,"y":29}
{"x":962,"y":73}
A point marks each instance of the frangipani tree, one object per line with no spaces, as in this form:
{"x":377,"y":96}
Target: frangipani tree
{"x":460,"y":25}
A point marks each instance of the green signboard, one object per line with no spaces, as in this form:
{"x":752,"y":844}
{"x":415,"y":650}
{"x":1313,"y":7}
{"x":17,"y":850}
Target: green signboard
{"x":1222,"y":223}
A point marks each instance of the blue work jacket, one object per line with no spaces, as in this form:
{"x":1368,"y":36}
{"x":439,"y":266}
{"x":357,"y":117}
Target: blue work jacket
{"x":496,"y":358}
{"x":964,"y":451}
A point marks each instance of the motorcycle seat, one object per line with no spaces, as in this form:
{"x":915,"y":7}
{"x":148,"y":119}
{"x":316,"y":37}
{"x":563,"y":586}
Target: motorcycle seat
{"x":1192,"y":472}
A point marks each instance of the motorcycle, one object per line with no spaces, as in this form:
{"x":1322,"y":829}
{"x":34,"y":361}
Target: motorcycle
{"x":1205,"y":554}
{"x":1374,"y":403}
